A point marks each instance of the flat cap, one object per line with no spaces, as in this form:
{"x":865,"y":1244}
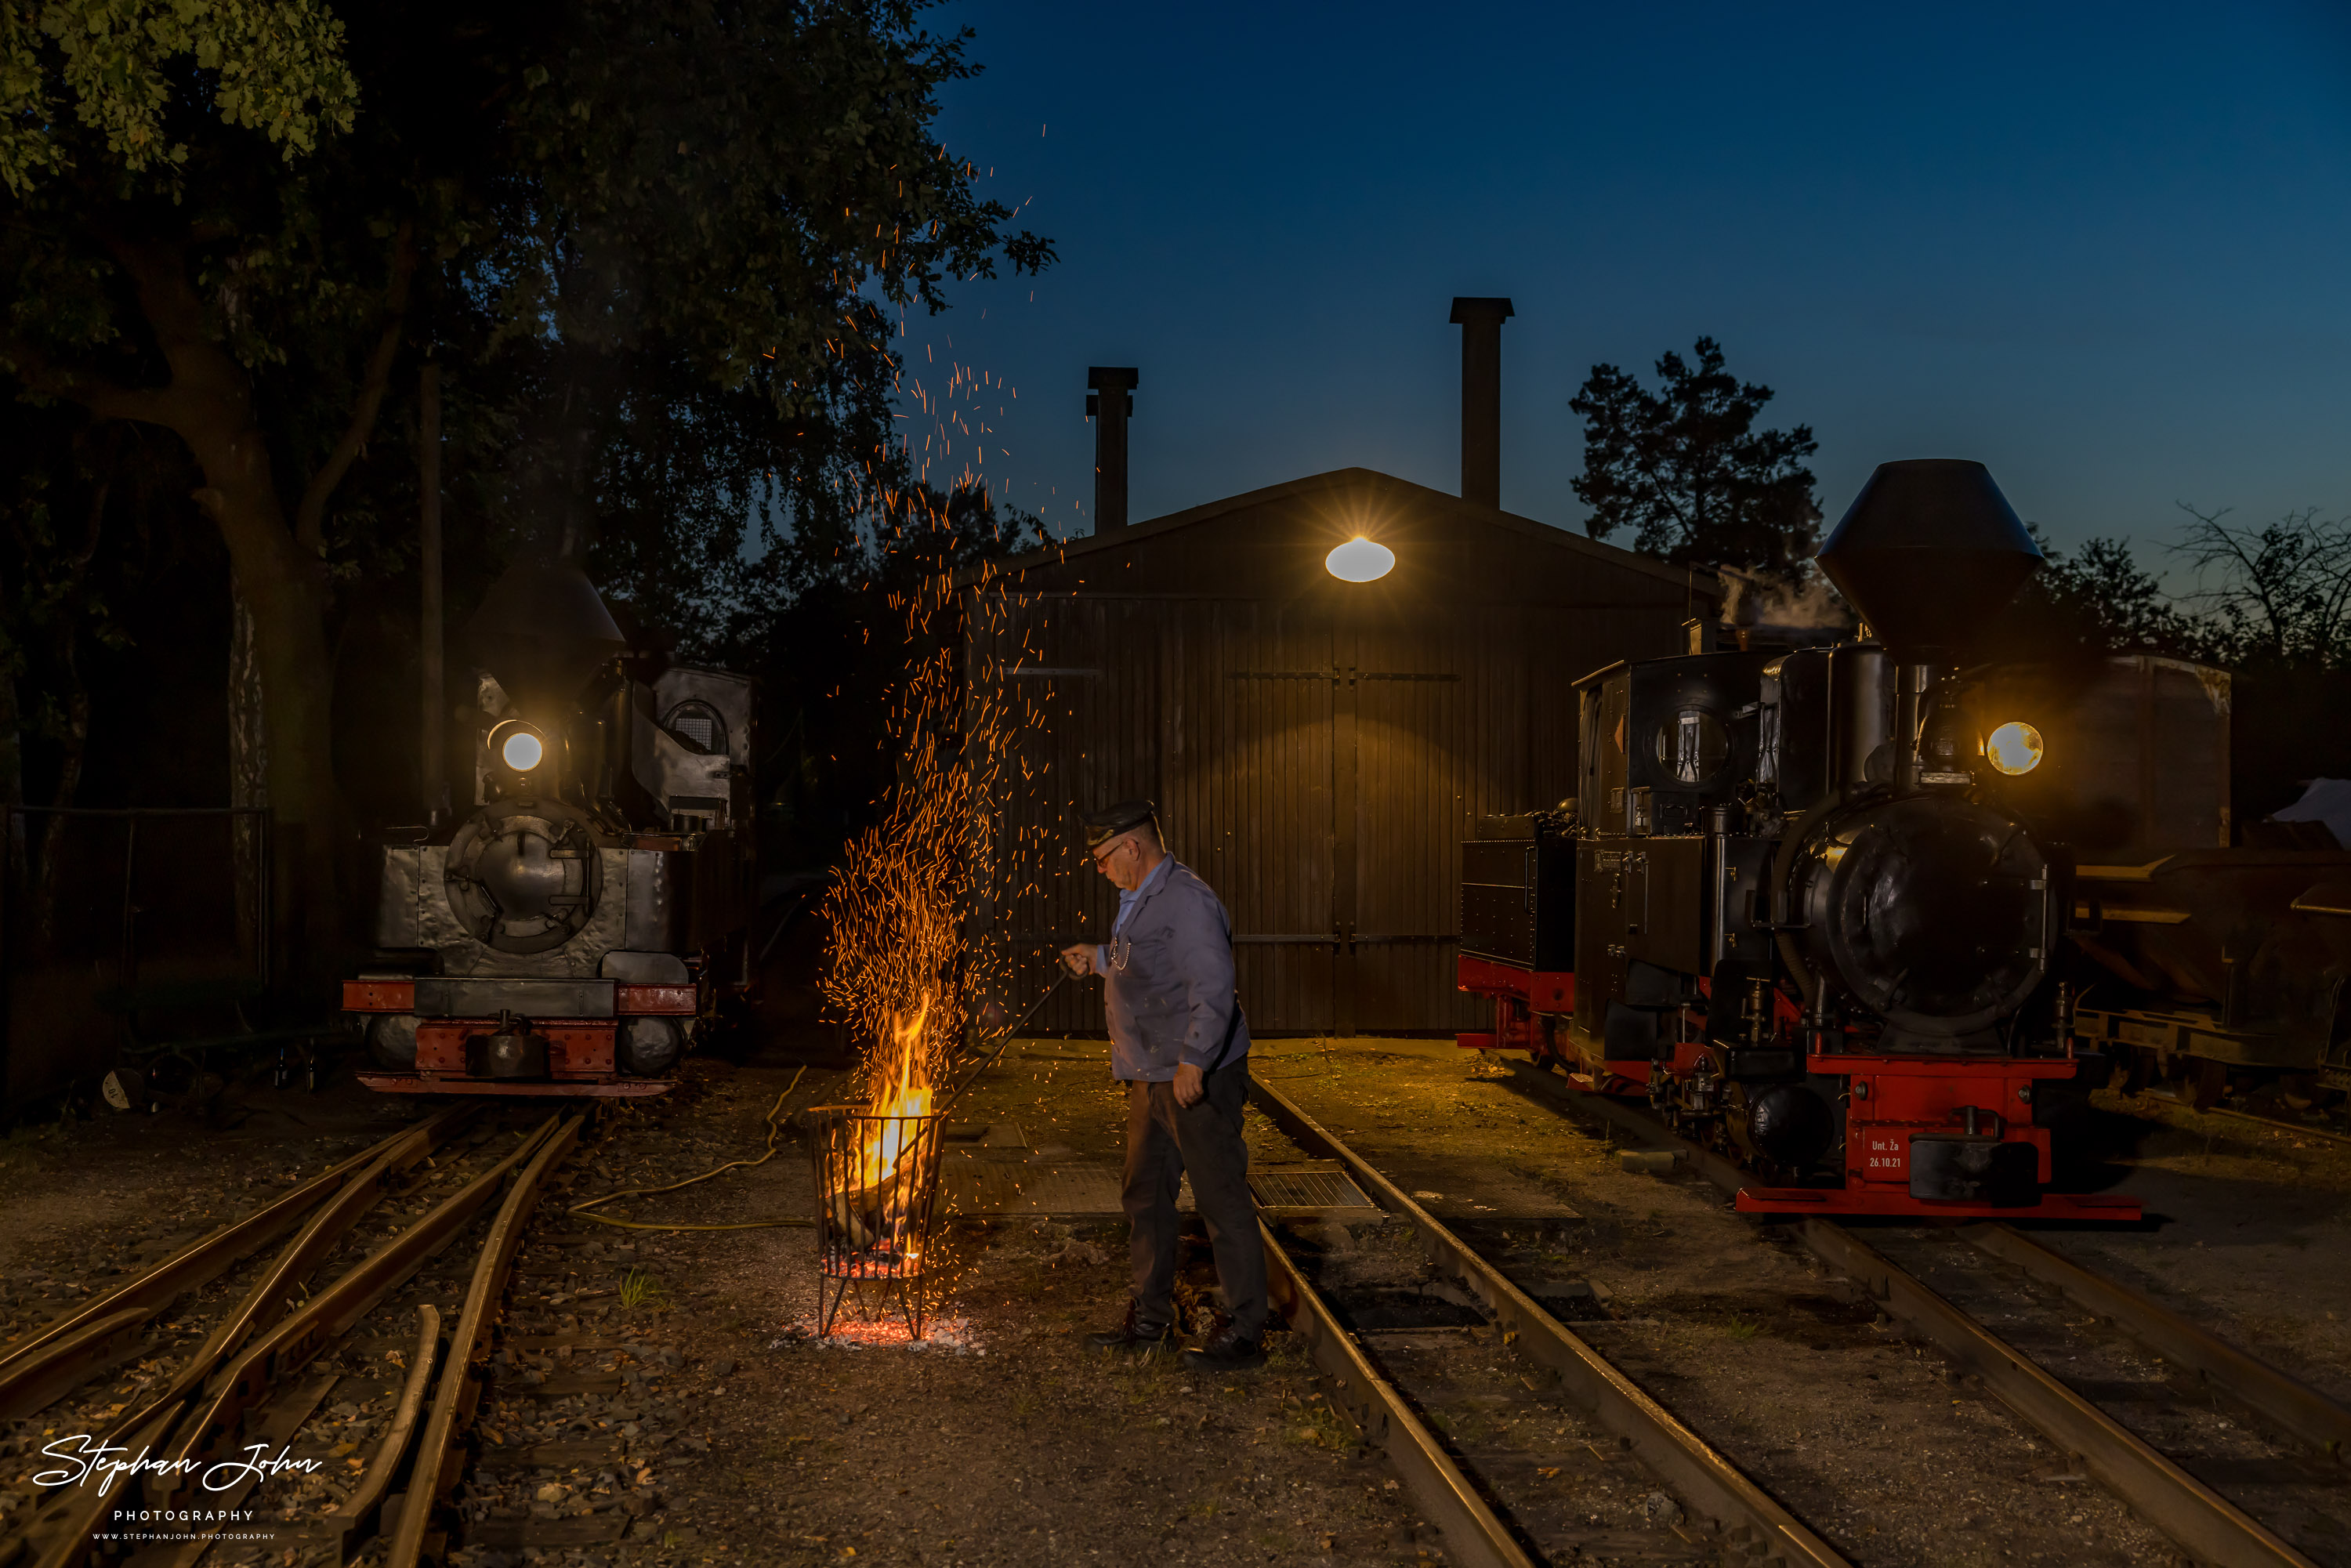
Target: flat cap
{"x":1125,"y":817}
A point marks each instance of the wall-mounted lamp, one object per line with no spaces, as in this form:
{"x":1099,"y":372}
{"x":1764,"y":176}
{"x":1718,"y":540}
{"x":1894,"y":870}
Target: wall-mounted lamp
{"x":1360,"y":561}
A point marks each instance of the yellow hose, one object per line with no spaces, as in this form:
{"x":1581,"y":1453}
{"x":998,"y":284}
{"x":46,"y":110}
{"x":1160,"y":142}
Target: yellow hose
{"x":773,"y":1131}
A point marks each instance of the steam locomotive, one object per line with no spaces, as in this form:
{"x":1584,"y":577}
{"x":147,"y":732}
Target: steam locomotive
{"x":574,"y":933}
{"x":1794,"y":902}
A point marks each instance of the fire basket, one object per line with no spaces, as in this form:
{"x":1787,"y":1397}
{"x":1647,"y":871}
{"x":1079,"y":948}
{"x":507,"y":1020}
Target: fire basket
{"x":877,"y":1183}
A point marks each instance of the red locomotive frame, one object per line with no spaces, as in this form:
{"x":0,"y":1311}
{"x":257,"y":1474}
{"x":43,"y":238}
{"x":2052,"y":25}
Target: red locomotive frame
{"x":581,"y":1056}
{"x":1889,"y":1100}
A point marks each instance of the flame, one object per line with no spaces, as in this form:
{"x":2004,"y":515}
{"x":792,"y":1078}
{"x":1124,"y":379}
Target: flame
{"x":905,"y":1092}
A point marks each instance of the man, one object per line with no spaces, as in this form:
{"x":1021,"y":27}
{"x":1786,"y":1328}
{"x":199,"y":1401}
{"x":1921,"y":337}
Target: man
{"x":1179,"y":1043}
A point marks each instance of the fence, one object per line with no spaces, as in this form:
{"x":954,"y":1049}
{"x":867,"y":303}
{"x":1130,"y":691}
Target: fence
{"x":120,"y":925}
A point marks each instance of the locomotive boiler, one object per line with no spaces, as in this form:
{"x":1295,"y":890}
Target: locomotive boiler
{"x":574,"y":932}
{"x":1792,"y":903}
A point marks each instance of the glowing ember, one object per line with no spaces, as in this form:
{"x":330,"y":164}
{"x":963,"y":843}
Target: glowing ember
{"x":952,"y":1335}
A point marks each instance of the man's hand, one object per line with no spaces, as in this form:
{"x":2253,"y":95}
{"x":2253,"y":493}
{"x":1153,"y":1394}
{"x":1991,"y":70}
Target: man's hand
{"x":1191,"y":1085}
{"x":1078,"y":959}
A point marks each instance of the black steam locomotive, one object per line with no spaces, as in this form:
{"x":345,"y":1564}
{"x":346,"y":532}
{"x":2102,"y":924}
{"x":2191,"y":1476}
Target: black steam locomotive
{"x":573,"y":933}
{"x":1793,"y":903}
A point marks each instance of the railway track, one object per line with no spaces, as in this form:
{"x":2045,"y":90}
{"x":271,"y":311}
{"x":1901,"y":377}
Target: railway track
{"x":259,"y":1341}
{"x":2252,"y":1475}
{"x":1475,"y":1483}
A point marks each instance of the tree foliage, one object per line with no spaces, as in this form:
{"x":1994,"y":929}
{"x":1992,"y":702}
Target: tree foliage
{"x":275,"y":66}
{"x":663,"y":247}
{"x":2277,"y":595}
{"x":1686,"y":469}
{"x":2095,"y":602}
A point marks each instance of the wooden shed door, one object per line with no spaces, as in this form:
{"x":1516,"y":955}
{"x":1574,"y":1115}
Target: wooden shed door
{"x":1433,"y":730}
{"x":1319,"y":775}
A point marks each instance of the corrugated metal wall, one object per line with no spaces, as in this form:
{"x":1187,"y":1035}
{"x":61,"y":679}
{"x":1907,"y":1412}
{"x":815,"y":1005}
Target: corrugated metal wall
{"x":1317,"y":768}
{"x":1317,"y":749}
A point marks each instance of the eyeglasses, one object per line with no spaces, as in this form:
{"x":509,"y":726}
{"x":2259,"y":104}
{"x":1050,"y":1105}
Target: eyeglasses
{"x":1102,"y":856}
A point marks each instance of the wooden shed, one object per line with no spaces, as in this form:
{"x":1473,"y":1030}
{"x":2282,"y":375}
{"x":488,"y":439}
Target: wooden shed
{"x":1317,"y":748}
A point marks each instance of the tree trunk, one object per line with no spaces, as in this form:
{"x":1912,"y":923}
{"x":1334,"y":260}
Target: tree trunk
{"x":248,"y":782}
{"x":12,"y":826}
{"x":41,"y":898}
{"x":277,"y":567}
{"x":64,"y":636}
{"x":282,"y":598}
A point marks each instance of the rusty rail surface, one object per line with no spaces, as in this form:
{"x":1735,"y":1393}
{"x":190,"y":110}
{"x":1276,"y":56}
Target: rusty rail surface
{"x":1706,"y":1480}
{"x":235,"y":1379}
{"x":2200,"y":1518}
{"x":1474,"y":1533}
{"x":60,"y":1531}
{"x":351,"y":1515}
{"x":2293,"y":1404}
{"x":440,"y":1460}
{"x":45,"y":1367}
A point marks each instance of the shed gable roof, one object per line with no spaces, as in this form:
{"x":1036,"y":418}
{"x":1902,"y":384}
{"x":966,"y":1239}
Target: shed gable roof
{"x":1420,"y":496}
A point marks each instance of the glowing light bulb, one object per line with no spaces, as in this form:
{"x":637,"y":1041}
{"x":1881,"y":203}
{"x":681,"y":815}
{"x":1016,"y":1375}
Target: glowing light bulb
{"x":522,"y":751}
{"x":2014,"y":747}
{"x":1360,"y":561}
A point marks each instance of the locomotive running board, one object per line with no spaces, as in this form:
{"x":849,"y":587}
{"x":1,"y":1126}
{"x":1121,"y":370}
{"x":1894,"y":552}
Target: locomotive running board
{"x":578,"y":1088}
{"x":1902,"y":1206}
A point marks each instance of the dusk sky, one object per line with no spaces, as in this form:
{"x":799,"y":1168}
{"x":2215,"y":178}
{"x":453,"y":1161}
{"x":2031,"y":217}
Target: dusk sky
{"x":2105,"y":249}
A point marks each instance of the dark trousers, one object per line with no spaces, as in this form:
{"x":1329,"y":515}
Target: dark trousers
{"x":1165,"y":1142}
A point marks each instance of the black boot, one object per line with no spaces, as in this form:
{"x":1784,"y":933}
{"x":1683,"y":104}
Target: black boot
{"x":1227,"y":1352}
{"x":1132,"y":1336}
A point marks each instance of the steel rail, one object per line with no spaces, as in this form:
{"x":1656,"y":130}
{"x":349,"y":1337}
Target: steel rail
{"x":1474,"y":1533}
{"x":439,"y":1459}
{"x":2285,"y":1399}
{"x":36,"y":1372}
{"x":2210,"y":1526}
{"x":2162,"y":1102}
{"x":140,"y":1432}
{"x":245,"y":1383}
{"x":187,"y":1442}
{"x":350,"y":1516}
{"x":1709,"y":1482}
{"x":2214,"y":1530}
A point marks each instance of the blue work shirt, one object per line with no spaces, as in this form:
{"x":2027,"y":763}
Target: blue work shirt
{"x":1168,"y":979}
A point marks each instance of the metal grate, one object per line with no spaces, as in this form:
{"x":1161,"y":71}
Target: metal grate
{"x":1307,"y":1188}
{"x":877,"y":1182}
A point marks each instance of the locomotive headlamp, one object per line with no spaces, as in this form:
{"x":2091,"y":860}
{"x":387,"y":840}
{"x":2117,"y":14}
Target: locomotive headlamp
{"x":519,"y":745}
{"x":2014,"y":747}
{"x":1360,"y":561}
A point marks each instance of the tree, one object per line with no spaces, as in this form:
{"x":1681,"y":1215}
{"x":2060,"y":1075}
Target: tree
{"x":830,"y":652}
{"x":2097,"y":602}
{"x":2280,"y":594}
{"x":1686,"y":469}
{"x":670,"y":222}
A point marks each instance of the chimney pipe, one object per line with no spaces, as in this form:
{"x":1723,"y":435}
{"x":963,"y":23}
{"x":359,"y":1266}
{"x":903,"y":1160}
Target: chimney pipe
{"x":1109,"y":405}
{"x":1480,"y":321}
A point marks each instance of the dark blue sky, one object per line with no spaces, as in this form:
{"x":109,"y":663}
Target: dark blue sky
{"x":2106,"y":250}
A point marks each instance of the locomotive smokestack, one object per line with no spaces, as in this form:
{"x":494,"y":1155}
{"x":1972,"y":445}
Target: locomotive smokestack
{"x":543,"y":631}
{"x":1109,"y":405}
{"x":1928,"y":552}
{"x":1480,"y":321}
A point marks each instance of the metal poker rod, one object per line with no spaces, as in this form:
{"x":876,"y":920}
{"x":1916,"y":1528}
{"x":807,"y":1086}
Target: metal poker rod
{"x":1004,"y":1036}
